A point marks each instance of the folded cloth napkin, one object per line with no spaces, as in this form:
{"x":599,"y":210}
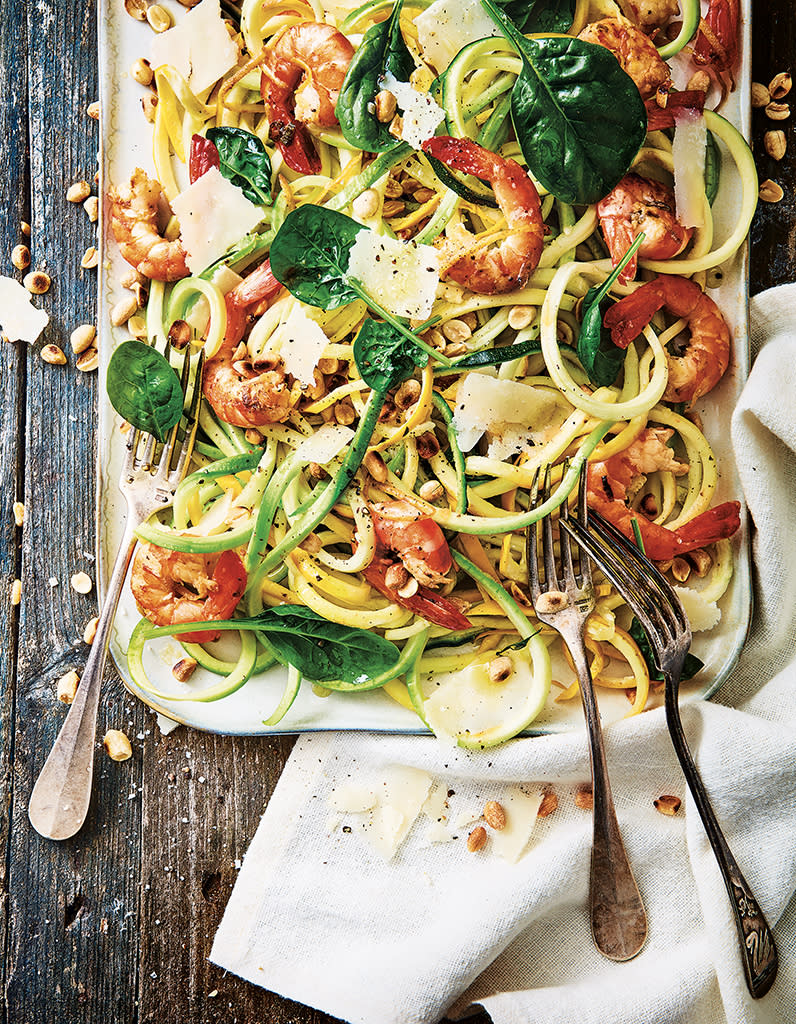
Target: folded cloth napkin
{"x":320,"y":917}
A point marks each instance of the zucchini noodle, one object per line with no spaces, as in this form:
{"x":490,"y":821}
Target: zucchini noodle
{"x":371,"y":471}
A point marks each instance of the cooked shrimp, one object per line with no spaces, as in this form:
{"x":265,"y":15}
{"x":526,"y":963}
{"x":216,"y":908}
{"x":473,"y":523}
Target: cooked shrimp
{"x":638,"y":204}
{"x":510,"y":264}
{"x":634,"y":51}
{"x":649,"y":15}
{"x":610,"y":482}
{"x":259,"y":286}
{"x":245,"y":395}
{"x":173,"y":587}
{"x":416,"y":539}
{"x":302,"y":75}
{"x":717,"y":39}
{"x":707,"y":355}
{"x":135,"y":212}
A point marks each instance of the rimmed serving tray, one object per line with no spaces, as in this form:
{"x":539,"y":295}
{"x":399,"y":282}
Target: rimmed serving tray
{"x":126,"y":144}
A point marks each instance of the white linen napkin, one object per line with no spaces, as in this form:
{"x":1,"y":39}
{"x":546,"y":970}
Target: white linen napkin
{"x":319,"y":917}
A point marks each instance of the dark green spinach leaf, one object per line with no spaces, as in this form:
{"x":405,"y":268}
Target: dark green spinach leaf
{"x":381,"y":51}
{"x":691,"y":666}
{"x":540,"y":15}
{"x":244,"y":162}
{"x":144,"y":389}
{"x":309,"y":256}
{"x":578,"y":117}
{"x":599,"y":356}
{"x":383,"y":356}
{"x":323,"y":650}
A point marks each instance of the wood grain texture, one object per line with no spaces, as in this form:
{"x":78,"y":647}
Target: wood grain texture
{"x":773,"y":233}
{"x":116,"y":925}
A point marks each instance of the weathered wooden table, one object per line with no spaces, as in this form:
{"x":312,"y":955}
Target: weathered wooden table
{"x":116,"y":924}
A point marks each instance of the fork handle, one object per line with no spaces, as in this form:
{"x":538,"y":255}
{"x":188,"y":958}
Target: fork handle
{"x":59,"y":801}
{"x":758,"y":951}
{"x":618,"y":918}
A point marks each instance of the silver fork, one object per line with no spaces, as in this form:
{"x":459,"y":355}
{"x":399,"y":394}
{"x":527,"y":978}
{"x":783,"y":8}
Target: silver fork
{"x":618,"y":919}
{"x":657,"y":607}
{"x":59,"y":801}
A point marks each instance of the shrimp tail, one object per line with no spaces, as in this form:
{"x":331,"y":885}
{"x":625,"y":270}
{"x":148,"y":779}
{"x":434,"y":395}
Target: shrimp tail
{"x":628,"y":317}
{"x":293,"y":141}
{"x":662,"y":544}
{"x":619,"y":238}
{"x":259,"y":286}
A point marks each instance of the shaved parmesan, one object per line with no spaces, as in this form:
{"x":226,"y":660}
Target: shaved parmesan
{"x":421,"y":114}
{"x":302,"y":344}
{"x":199,"y":47}
{"x":448,"y":25}
{"x":402,"y":276}
{"x":521,"y":810}
{"x":401,"y":793}
{"x":513,"y":415}
{"x":325,"y":444}
{"x":701,"y":614}
{"x":352,"y":798}
{"x":214,"y":214}
{"x":688,"y":155}
{"x":19,"y":318}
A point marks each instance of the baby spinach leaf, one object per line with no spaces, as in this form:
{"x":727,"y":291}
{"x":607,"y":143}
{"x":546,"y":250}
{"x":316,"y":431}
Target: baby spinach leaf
{"x":578,"y":117}
{"x":309,"y":256}
{"x":382,"y":50}
{"x":244,"y":162}
{"x":323,"y":650}
{"x":383,"y":356}
{"x":599,"y":356}
{"x":691,"y":666}
{"x":144,"y":389}
{"x":541,"y":15}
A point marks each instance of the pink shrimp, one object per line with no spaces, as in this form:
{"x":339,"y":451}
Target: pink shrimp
{"x":638,"y":204}
{"x":510,"y":264}
{"x":610,"y":481}
{"x":707,"y":355}
{"x":635,"y":52}
{"x":136,"y":210}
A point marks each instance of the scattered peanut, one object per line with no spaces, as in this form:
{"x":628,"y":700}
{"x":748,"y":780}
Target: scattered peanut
{"x":91,"y":206}
{"x":521,"y":317}
{"x":16,"y":592}
{"x":90,"y":630}
{"x":136,"y":325}
{"x":376,"y":466}
{"x":386,"y":105}
{"x":681,"y":570}
{"x":20,"y":257}
{"x":393,"y":189}
{"x":19,"y":513}
{"x":770,"y":191}
{"x":431,"y":490}
{"x":180,"y":333}
{"x":548,"y":805}
{"x":37,"y":282}
{"x":778,"y":111}
{"x":584,"y":798}
{"x":456,"y":348}
{"x":477,"y":839}
{"x":500,"y":669}
{"x":667,"y":804}
{"x":90,"y":258}
{"x":456,"y":330}
{"x":24,"y":227}
{"x":409,"y":589}
{"x":396,"y":576}
{"x":344,"y":412}
{"x":494,"y":815}
{"x":88,"y":360}
{"x":53,"y":355}
{"x":82,"y":337}
{"x":366,"y":204}
{"x":78,"y":192}
{"x":252,"y":436}
{"x":184,"y":669}
{"x":427,"y":445}
{"x":131,"y":277}
{"x":66,"y":687}
{"x":760,"y":95}
{"x":780,"y":85}
{"x":141,"y":71}
{"x":160,"y":20}
{"x":148,"y":104}
{"x":408,"y":393}
{"x":775,"y":143}
{"x":699,"y":81}
{"x":117,"y":746}
{"x":137,"y":8}
{"x":701,"y":560}
{"x":81,"y":583}
{"x":393,"y":208}
{"x":93,"y":110}
{"x":123,"y":310}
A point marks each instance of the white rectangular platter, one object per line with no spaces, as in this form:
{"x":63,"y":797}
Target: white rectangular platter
{"x":125,"y":145}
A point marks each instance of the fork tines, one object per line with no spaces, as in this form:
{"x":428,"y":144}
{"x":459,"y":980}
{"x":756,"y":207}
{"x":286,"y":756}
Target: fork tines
{"x":583,"y":577}
{"x":646,"y":590}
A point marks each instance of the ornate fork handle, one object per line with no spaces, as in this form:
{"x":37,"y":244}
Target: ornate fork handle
{"x":618,"y":918}
{"x":758,"y":951}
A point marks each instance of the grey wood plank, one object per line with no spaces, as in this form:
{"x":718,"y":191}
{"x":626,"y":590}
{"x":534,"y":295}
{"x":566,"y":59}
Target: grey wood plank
{"x":13,"y":157}
{"x":773,"y":234}
{"x":73,"y":928}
